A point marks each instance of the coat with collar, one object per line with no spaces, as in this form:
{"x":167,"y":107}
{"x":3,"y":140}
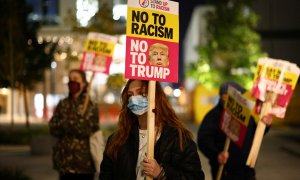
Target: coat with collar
{"x":176,"y":163}
{"x":71,"y":152}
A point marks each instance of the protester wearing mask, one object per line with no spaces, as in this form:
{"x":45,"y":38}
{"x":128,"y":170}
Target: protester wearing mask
{"x":71,"y":153}
{"x":175,"y":152}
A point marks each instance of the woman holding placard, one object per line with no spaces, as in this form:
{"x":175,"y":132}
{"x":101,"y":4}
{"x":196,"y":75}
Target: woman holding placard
{"x":72,"y":130}
{"x":175,"y":153}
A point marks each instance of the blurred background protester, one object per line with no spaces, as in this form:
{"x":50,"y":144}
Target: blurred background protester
{"x":211,"y":141}
{"x":72,"y":129}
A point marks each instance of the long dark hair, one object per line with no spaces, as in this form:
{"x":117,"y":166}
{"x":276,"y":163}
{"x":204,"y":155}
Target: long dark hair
{"x":164,"y":116}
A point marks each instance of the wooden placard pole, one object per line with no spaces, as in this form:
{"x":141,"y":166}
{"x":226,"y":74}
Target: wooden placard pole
{"x":221,"y":167}
{"x":151,"y":120}
{"x":261,"y":126}
{"x":87,"y":97}
{"x":260,"y":129}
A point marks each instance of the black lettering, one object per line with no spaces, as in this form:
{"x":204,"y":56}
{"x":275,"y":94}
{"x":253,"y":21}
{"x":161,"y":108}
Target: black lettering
{"x":169,"y":33}
{"x":162,"y":20}
{"x":242,"y":117}
{"x":134,"y":28}
{"x":229,"y":103}
{"x":151,"y":30}
{"x":150,"y":33}
{"x":143,"y":30}
{"x":135,"y":16}
{"x":287,"y":80}
{"x":235,"y":109}
{"x":144,"y":17}
{"x":238,"y":109}
{"x":155,"y":17}
{"x":161,"y":31}
{"x":91,"y":44}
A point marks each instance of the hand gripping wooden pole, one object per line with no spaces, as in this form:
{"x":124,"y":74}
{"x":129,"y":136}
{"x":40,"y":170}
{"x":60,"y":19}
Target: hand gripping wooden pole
{"x":151,"y":121}
{"x":221,"y":167}
{"x":260,"y":129}
{"x":87,"y":97}
{"x":270,"y":100}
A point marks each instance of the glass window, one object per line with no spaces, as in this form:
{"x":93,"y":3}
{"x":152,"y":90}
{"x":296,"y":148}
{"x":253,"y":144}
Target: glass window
{"x":44,"y":11}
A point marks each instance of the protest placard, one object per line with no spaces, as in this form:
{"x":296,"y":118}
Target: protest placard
{"x":273,"y":86}
{"x":236,"y":115}
{"x":152,"y":30}
{"x":235,"y":120}
{"x":97,"y":53}
{"x":279,"y":77}
{"x":97,"y":57}
{"x":152,"y":40}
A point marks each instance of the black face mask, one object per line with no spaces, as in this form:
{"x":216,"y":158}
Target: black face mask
{"x":74,"y":87}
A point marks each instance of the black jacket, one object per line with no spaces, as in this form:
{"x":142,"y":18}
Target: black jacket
{"x":177,"y":164}
{"x":211,"y":142}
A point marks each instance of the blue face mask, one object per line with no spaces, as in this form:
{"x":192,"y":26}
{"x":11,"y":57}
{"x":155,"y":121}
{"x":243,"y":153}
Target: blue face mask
{"x":138,"y":104}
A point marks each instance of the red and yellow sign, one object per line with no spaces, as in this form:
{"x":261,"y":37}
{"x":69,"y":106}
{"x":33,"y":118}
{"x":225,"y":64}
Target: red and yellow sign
{"x":152,"y":40}
{"x":276,"y":76}
{"x":236,"y":115}
{"x":98,"y":51}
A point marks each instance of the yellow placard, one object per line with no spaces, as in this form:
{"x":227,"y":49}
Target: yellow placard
{"x":99,"y":47}
{"x":152,"y":24}
{"x":241,"y":113}
{"x":273,"y":73}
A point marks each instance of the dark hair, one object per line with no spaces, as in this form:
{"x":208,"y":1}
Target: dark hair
{"x":224,"y":87}
{"x":164,"y":115}
{"x":82,"y":74}
{"x":83,"y":77}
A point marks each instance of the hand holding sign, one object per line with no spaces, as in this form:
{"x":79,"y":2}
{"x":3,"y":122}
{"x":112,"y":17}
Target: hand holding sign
{"x":152,"y":30}
{"x":97,"y":57}
{"x":146,"y":27}
{"x":273,"y":85}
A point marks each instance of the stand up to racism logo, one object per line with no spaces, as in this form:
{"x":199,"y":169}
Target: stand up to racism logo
{"x":144,"y":3}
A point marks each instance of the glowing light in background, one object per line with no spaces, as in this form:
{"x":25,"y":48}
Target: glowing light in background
{"x":39,"y":105}
{"x":52,"y":101}
{"x":86,"y":9}
{"x":60,"y":56}
{"x":109,"y":98}
{"x":65,"y":79}
{"x":4,"y":91}
{"x":119,"y":10}
{"x":168,"y":90}
{"x":53,"y":65}
{"x":177,"y":92}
